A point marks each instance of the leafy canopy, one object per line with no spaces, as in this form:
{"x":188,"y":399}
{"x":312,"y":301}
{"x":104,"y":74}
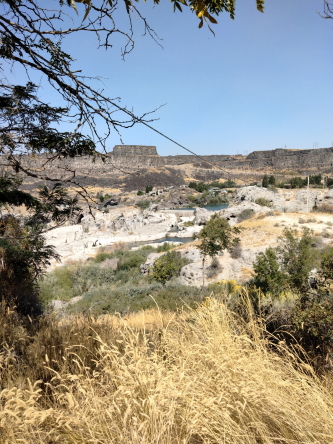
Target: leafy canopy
{"x":288,"y":265}
{"x":217,"y":235}
{"x":168,"y":266}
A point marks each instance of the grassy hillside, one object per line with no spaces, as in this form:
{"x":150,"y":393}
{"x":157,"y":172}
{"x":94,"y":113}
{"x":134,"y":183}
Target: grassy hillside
{"x":204,"y":376}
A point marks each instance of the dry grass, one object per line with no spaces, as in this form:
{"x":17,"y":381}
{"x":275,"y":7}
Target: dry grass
{"x":204,"y":377}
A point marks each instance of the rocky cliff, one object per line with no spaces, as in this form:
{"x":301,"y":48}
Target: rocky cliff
{"x":134,"y":166}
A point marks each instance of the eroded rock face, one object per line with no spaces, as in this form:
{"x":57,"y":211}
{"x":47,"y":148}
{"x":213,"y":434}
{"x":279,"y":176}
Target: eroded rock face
{"x":304,"y":201}
{"x":127,"y":220}
{"x":285,"y":201}
{"x":252,"y":193}
{"x":80,"y":241}
{"x":233,"y":211}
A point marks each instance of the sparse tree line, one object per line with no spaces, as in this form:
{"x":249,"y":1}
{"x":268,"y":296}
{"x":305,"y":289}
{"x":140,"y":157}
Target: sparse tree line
{"x":315,"y":180}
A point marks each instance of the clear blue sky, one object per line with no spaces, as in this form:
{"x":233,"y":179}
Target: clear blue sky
{"x":263,"y":82}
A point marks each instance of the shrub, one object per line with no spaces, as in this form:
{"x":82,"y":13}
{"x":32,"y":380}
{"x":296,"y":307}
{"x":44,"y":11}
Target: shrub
{"x":166,"y":246}
{"x":168,"y":266}
{"x":269,"y":276}
{"x":288,"y":265}
{"x":143,"y":204}
{"x":236,"y":251}
{"x":325,"y":208}
{"x":265,"y":181}
{"x":297,"y":182}
{"x":229,"y":184}
{"x":213,"y":268}
{"x":189,"y":223}
{"x":245,"y":214}
{"x":315,"y":179}
{"x":263,"y":202}
{"x":149,"y":188}
{"x":215,"y":264}
{"x":140,"y":193}
{"x":312,"y":321}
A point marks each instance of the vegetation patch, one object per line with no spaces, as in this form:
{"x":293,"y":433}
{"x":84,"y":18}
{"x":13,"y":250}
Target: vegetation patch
{"x":245,"y":214}
{"x":263,"y":202}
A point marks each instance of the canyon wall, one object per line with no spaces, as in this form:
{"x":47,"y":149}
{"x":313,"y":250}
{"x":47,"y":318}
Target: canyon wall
{"x":133,"y":166}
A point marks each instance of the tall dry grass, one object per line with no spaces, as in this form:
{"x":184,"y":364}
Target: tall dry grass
{"x":200,"y":377}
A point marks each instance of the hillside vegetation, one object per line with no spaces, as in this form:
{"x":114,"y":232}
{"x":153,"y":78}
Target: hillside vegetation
{"x":123,"y":289}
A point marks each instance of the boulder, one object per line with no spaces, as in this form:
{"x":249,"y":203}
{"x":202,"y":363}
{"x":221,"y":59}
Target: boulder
{"x":202,"y":216}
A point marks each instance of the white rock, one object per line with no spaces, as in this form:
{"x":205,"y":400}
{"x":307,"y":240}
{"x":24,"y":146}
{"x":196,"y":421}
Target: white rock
{"x":252,"y":193}
{"x":201,"y":216}
{"x":233,"y":211}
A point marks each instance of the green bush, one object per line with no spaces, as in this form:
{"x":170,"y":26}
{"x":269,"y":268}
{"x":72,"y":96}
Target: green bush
{"x":263,"y":202}
{"x":246,"y":214}
{"x":269,"y":276}
{"x":143,"y":204}
{"x":288,"y":265}
{"x":229,"y":184}
{"x":189,"y":223}
{"x":140,"y":193}
{"x":297,"y":182}
{"x":265,"y":181}
{"x":164,"y":247}
{"x":168,"y":266}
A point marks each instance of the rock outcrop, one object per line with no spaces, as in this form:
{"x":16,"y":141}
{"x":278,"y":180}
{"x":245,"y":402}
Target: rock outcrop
{"x":233,"y":212}
{"x":158,"y":170}
{"x":253,"y":193}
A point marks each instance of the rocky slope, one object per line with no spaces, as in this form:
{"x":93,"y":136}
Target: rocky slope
{"x":134,"y":167}
{"x":288,"y":208}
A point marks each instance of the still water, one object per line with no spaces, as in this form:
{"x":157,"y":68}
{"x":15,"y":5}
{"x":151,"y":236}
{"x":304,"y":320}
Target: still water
{"x":217,"y":207}
{"x":184,"y":240}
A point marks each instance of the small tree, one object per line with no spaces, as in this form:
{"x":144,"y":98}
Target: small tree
{"x":265,"y":181}
{"x":315,"y":179}
{"x":269,"y":276}
{"x":168,"y":266}
{"x":193,"y":185}
{"x":23,"y":251}
{"x":149,"y":188}
{"x":288,"y":265}
{"x":271,"y":180}
{"x":297,"y":182}
{"x":216,"y":235}
{"x":297,"y":256}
